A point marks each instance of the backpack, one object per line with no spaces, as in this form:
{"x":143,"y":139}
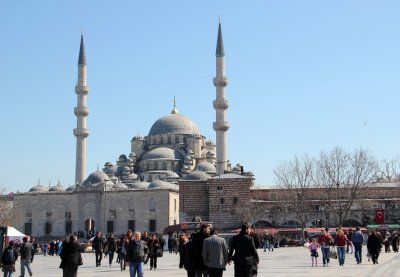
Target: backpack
{"x":10,"y":257}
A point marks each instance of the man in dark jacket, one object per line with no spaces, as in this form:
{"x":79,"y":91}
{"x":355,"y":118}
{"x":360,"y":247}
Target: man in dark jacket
{"x":136,"y":253}
{"x":197,"y":250}
{"x":98,"y":246}
{"x":10,"y":256}
{"x":70,"y":257}
{"x":244,"y":254}
{"x":26,"y":255}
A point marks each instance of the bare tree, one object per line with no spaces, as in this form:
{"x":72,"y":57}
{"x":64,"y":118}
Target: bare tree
{"x":344,"y":178}
{"x":295,"y":178}
{"x":388,"y":169}
{"x":7,"y":214}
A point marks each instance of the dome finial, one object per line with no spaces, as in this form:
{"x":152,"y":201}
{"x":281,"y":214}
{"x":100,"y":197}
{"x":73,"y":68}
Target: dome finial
{"x":174,"y":110}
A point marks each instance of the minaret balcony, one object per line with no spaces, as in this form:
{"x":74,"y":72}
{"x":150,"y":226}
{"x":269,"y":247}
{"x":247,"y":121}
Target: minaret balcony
{"x":221,"y":126}
{"x":220,"y":81}
{"x":221,"y":104}
{"x":81,"y":111}
{"x":81,"y":90}
{"x":81,"y":132}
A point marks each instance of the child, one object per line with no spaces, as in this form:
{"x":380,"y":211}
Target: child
{"x":314,"y":245}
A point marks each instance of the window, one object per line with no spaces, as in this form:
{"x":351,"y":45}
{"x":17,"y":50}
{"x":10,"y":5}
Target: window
{"x":110,"y":226}
{"x":131,"y":225}
{"x":68,"y":227}
{"x":152,"y":225}
{"x":67,"y":216}
{"x":174,"y":221}
{"x":219,"y":188}
{"x":221,"y":200}
{"x":28,"y":228}
{"x":175,"y":205}
{"x":235,"y":200}
{"x":47,"y":228}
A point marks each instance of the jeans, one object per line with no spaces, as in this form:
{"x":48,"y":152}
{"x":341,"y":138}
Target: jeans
{"x":8,"y":274}
{"x":27,"y":263}
{"x":325,"y":254}
{"x":358,"y":252}
{"x":99,"y":256}
{"x":110,"y":257}
{"x":341,"y":251}
{"x":136,"y":269}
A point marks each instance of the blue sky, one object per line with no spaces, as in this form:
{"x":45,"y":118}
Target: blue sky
{"x":304,"y":76}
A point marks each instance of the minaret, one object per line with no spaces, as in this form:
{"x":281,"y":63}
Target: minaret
{"x":220,"y":105}
{"x":81,"y":111}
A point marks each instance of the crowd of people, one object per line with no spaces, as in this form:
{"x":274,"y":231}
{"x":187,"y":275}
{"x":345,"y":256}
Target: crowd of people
{"x":201,"y":254}
{"x":344,"y":242}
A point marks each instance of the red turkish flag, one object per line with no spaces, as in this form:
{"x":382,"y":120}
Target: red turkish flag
{"x":379,"y":216}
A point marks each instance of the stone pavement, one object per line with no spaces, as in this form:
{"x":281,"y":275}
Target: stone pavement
{"x":287,"y":261}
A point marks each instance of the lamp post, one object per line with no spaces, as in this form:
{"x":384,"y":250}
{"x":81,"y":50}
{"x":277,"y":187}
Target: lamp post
{"x":105,"y":205}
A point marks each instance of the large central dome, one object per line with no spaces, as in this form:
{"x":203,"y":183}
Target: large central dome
{"x":174,"y":124}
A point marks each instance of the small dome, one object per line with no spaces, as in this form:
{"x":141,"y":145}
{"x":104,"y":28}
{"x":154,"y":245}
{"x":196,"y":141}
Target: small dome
{"x":71,"y":188}
{"x":206,"y":167}
{"x":174,"y":187}
{"x":158,"y":184}
{"x":120,"y":186}
{"x":174,"y":124}
{"x":96,"y":177}
{"x":196,"y":176}
{"x":57,"y":188}
{"x":39,"y":188}
{"x":131,"y":176}
{"x":139,"y":185}
{"x":162,"y":153}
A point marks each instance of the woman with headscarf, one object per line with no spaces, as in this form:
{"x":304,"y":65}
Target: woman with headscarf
{"x":70,"y":257}
{"x":374,"y":246}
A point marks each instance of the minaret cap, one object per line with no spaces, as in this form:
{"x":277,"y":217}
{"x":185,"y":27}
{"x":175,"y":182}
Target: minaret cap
{"x":220,"y":43}
{"x":82,"y":54}
{"x":174,"y":110}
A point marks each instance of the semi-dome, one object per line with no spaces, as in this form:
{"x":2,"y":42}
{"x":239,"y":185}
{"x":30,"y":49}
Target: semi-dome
{"x":174,"y":124}
{"x":139,"y":185}
{"x":196,"y":176}
{"x":95,"y":178}
{"x":159,"y":184}
{"x":206,"y":167}
{"x":162,"y":153}
{"x":39,"y":188}
{"x":57,"y":188}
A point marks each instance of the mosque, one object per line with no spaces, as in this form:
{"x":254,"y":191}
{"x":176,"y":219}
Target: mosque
{"x":141,"y":191}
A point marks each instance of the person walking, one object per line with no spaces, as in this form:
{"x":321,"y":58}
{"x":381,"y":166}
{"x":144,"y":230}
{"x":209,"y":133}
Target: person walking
{"x":153,"y":244}
{"x":374,"y":246}
{"x":185,"y":255}
{"x":111,"y":248}
{"x":313,"y":247}
{"x":325,"y":241}
{"x":26,"y":255}
{"x":358,"y":239}
{"x":98,"y":246}
{"x":136,"y":253}
{"x":70,"y":257}
{"x":121,"y":250}
{"x":215,"y":254}
{"x":8,"y":259}
{"x":197,"y":250}
{"x":243,"y":253}
{"x":341,"y":241}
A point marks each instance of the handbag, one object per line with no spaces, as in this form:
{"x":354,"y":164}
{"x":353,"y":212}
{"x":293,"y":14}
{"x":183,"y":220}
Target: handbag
{"x":333,"y":254}
{"x":159,"y":252}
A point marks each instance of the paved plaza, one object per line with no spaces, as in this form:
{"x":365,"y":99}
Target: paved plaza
{"x":287,"y":261}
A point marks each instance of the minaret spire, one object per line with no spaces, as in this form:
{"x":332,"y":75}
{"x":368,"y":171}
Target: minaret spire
{"x":220,"y":104}
{"x":81,"y":112}
{"x":174,"y":110}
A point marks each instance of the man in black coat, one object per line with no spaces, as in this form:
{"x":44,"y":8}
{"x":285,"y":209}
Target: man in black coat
{"x":70,"y":257}
{"x":244,"y":254}
{"x":197,"y":251}
{"x":98,"y":246}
